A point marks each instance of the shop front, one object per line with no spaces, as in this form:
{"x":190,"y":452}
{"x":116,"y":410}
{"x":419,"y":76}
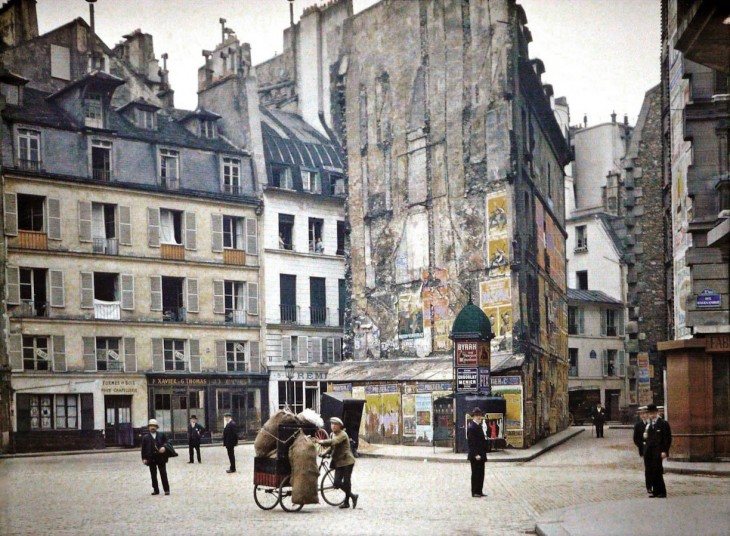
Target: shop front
{"x":303,"y":391}
{"x":173,"y":399}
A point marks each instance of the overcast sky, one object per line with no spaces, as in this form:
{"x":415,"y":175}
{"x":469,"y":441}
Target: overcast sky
{"x":603,"y":55}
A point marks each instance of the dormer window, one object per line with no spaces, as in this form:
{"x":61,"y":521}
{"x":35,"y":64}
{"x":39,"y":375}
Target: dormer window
{"x":311,"y":181}
{"x":169,"y":169}
{"x":207,"y":129}
{"x":146,"y":119}
{"x":93,"y":111}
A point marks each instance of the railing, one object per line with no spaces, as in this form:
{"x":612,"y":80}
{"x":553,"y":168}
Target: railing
{"x":29,"y":308}
{"x":174,"y":314}
{"x":573,"y":372}
{"x":107,"y":311}
{"x":236,"y":316}
{"x":101,"y":175}
{"x":234,"y":256}
{"x":318,"y":316}
{"x":32,"y":239}
{"x":232,"y":189}
{"x":170,"y":183}
{"x":28,"y":165}
{"x":316,"y":247}
{"x":108,"y":246}
{"x":289,"y":314}
{"x":172,"y":251}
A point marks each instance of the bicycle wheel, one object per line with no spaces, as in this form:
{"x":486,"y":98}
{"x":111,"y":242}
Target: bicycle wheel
{"x":331,"y":495}
{"x":266,"y":497}
{"x":285,"y":497}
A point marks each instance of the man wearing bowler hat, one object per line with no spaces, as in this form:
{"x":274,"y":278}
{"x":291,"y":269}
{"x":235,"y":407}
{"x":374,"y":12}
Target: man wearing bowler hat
{"x":230,"y":440}
{"x":477,"y":451}
{"x":155,"y":457}
{"x":657,"y":440}
{"x":195,"y":432}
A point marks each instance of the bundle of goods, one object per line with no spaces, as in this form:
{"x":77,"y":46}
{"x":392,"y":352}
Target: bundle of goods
{"x":267,"y":438}
{"x":304,"y":470}
{"x":310,"y":416}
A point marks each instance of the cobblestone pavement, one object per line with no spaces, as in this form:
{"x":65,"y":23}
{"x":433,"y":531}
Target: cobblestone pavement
{"x":108,"y":493}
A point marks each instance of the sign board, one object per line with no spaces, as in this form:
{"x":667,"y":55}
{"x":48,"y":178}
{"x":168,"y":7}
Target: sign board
{"x":506,"y":380}
{"x":718,"y":343}
{"x":708,"y":298}
{"x":467,"y":354}
{"x":484,"y":385}
{"x":467,"y":378}
{"x":644,"y":381}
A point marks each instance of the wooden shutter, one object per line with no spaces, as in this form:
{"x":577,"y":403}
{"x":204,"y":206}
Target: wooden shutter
{"x":158,"y":363}
{"x":251,"y":237}
{"x":155,"y":293}
{"x":10,"y":204}
{"x":581,"y":321}
{"x":84,"y":221}
{"x":153,"y":227}
{"x":22,"y":407}
{"x":15,"y":351}
{"x":338,"y":349}
{"x":127,"y":292}
{"x":253,"y":298}
{"x":89,"y":353}
{"x":130,"y":354}
{"x":303,"y":349}
{"x":59,"y":353}
{"x":87,"y":411}
{"x":285,"y":348}
{"x":604,"y":357}
{"x":216,"y":233}
{"x":194,"y":347}
{"x":125,"y":225}
{"x":330,"y":350}
{"x":87,"y":290}
{"x":620,"y":315}
{"x":254,"y":356}
{"x":191,"y":291}
{"x":12,"y":284}
{"x":316,"y":350}
{"x":191,"y":232}
{"x":58,"y":295}
{"x":54,"y":218}
{"x":621,"y":363}
{"x":220,"y":356}
{"x":603,"y":322}
{"x":219,"y":303}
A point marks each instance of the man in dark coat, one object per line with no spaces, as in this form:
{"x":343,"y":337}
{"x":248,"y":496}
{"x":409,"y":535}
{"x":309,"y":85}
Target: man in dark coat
{"x":230,"y":440}
{"x":639,"y":429}
{"x":155,"y":457}
{"x":195,"y":432}
{"x":477,"y":451}
{"x":599,"y":417}
{"x":657,"y":440}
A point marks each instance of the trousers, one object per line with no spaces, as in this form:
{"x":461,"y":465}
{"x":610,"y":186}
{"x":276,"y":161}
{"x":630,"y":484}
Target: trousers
{"x":343,"y":480}
{"x":477,"y":476}
{"x":195,"y":448}
{"x":232,"y":457}
{"x":163,"y":475}
{"x":599,"y":429}
{"x":654,"y":471}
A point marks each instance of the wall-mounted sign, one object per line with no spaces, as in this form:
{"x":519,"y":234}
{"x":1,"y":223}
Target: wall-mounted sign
{"x":593,"y":354}
{"x":718,"y":343}
{"x":484,"y":384}
{"x":467,"y":353}
{"x":506,"y":380}
{"x":708,"y":298}
{"x":467,"y":378}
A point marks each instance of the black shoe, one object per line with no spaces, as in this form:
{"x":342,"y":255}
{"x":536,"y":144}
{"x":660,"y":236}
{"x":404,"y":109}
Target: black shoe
{"x":477,"y":495}
{"x":662,"y":496}
{"x":230,"y":470}
{"x":354,"y":500}
{"x":156,"y":492}
{"x":167,"y":493}
{"x":191,"y":462}
{"x":345,"y":505}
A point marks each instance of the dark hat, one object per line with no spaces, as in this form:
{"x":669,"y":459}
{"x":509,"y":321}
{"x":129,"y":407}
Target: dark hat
{"x":651,"y":407}
{"x":228,"y":414}
{"x":477,"y":411}
{"x":194,"y":417}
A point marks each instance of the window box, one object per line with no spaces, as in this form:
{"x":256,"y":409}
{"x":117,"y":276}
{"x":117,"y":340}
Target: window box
{"x":172,"y":252}
{"x":234,"y":256}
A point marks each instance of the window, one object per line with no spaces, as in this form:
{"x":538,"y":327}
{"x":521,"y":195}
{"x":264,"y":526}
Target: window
{"x":93,"y":111}
{"x":174,"y":354}
{"x":610,"y":362}
{"x":338,"y":184}
{"x":232,"y":176}
{"x":169,"y":169}
{"x":288,"y":296}
{"x":60,"y":62}
{"x":722,"y":82}
{"x":236,"y":356}
{"x":612,"y":322}
{"x":104,"y":228}
{"x":33,"y":291}
{"x":106,"y":295}
{"x":235,"y":301}
{"x":317,"y":301}
{"x":108,"y":356}
{"x":281,"y":177}
{"x":101,"y":160}
{"x":173,"y":299}
{"x":311,"y":181}
{"x":581,"y":278}
{"x":41,"y":412}
{"x":573,"y":362}
{"x":316,"y":245}
{"x":171,"y":227}
{"x":36,"y":355}
{"x":581,"y":238}
{"x":286,"y":231}
{"x":576,"y":321}
{"x":31,"y":213}
{"x":340,"y":238}
{"x":233,"y":232}
{"x":207,"y":128}
{"x":146,"y":119}
{"x":29,"y":149}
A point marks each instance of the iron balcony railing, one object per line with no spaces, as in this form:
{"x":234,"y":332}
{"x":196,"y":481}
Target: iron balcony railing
{"x":107,"y":246}
{"x":318,"y":316}
{"x":101,"y":174}
{"x":31,"y":308}
{"x":28,"y":165}
{"x":289,"y":314}
{"x":232,"y":189}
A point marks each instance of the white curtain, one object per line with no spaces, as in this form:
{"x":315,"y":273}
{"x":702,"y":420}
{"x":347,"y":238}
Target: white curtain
{"x":98,"y":229}
{"x":239,"y":233}
{"x":107,"y":310}
{"x":167,"y":227}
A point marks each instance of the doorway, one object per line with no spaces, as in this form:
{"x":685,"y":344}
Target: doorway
{"x":118,"y":421}
{"x":613,"y":410}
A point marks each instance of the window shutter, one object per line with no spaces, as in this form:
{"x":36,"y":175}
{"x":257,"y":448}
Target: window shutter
{"x":87,"y":290}
{"x":59,"y":353}
{"x":621,"y":363}
{"x":87,"y":411}
{"x":130,"y":354}
{"x":603,"y":322}
{"x":153,"y":227}
{"x":84,"y":221}
{"x":89,"y":353}
{"x":194,"y":346}
{"x":620,"y":314}
{"x":330,"y":350}
{"x":254,"y":357}
{"x":581,"y":321}
{"x":220,"y":356}
{"x":285,"y":348}
{"x":191,"y":286}
{"x":125,"y":225}
{"x":253,"y":298}
{"x":191,"y":232}
{"x":155,"y":293}
{"x":158,"y":364}
{"x":338,"y":349}
{"x":58,"y":295}
{"x":219,"y":304}
{"x":605,"y":363}
{"x":216,"y":233}
{"x":15,"y":351}
{"x":303,"y":349}
{"x":127,"y":292}
{"x":11,"y":214}
{"x":251,"y":237}
{"x":54,"y":218}
{"x":12,"y":284}
{"x":316,"y":350}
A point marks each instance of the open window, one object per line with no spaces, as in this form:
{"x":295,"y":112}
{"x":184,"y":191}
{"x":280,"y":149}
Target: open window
{"x":581,"y":238}
{"x":337,"y":183}
{"x":286,"y":231}
{"x":31,"y":213}
{"x":29,"y":149}
{"x":316,"y":244}
{"x":33,"y":291}
{"x":311,"y":181}
{"x":173,"y":299}
{"x":107,"y":301}
{"x":101,"y":160}
{"x":232,"y":176}
{"x":340,"y":238}
{"x":281,"y":177}
{"x":233,"y":232}
{"x":573,"y":362}
{"x":169,"y":169}
{"x":171,"y":227}
{"x":235,"y":301}
{"x":104,"y":228}
{"x":581,"y":278}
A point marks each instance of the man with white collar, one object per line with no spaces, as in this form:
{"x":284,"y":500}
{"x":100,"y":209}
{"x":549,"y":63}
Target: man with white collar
{"x":657,"y":440}
{"x":154,"y":456}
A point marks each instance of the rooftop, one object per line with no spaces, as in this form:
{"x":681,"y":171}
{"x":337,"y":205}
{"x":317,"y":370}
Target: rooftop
{"x":591,"y":296}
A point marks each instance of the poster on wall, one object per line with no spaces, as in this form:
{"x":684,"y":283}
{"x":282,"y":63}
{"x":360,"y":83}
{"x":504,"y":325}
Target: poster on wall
{"x":498,"y":256}
{"x":493,"y":425}
{"x":510,"y":389}
{"x":484,"y":385}
{"x":424,"y":418}
{"x":467,"y":379}
{"x":410,"y":316}
{"x":467,"y":354}
{"x":408,"y":409}
{"x":390,"y":417}
{"x":646,"y":396}
{"x":436,"y":315}
{"x":372,"y":417}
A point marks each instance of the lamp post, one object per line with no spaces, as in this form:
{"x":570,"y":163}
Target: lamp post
{"x":289,"y":371}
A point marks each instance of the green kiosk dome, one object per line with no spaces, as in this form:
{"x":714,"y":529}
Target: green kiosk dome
{"x":472,"y":324}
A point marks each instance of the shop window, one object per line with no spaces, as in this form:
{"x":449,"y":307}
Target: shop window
{"x":41,"y":412}
{"x":174,"y":355}
{"x":29,"y":149}
{"x":93,"y":111}
{"x":66,"y":412}
{"x":281,"y":177}
{"x":31,"y":211}
{"x":108,"y":356}
{"x":233,"y":232}
{"x":163,"y":402}
{"x":232,"y":176}
{"x":286,"y":231}
{"x":236,"y":356}
{"x":316,"y":245}
{"x":169,"y":169}
{"x":36,"y":353}
{"x":340,"y":238}
{"x":33,"y":300}
{"x":573,"y":362}
{"x":581,"y":278}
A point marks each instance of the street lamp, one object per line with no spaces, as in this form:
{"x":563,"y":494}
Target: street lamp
{"x":289,"y":371}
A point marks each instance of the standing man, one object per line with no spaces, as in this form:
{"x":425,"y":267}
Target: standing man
{"x":155,"y":457}
{"x":342,"y":460}
{"x":639,"y":429}
{"x":599,"y":418}
{"x":477,"y":451}
{"x":195,"y":432}
{"x":230,"y":440}
{"x":657,"y":440}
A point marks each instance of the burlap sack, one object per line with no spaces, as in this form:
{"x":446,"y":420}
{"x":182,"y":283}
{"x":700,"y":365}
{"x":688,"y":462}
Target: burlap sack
{"x":304,"y":471}
{"x":266,"y":442}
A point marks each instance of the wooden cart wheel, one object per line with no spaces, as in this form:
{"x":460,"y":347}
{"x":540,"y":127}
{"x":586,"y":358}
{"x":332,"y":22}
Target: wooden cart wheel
{"x":285,"y":497}
{"x":266,"y":497}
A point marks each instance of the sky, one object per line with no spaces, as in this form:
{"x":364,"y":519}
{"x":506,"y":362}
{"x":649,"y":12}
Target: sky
{"x":603,"y":55}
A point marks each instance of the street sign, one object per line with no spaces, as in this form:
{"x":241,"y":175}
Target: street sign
{"x":708,"y":298}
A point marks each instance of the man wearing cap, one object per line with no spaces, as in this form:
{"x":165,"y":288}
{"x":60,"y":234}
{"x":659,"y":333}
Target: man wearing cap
{"x":155,"y":457}
{"x":657,"y":440}
{"x":477,"y":451}
{"x":342,"y":460}
{"x":230,"y":440}
{"x":195,"y":432}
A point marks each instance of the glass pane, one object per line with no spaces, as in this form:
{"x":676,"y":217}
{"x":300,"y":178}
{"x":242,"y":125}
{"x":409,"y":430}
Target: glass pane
{"x":72,"y":422}
{"x":34,"y":423}
{"x":71,"y":410}
{"x":46,"y":422}
{"x":60,"y":422}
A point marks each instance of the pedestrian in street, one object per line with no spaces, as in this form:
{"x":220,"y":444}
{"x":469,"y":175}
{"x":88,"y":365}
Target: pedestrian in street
{"x":342,"y":460}
{"x":639,"y":429}
{"x":599,"y":418}
{"x":230,"y":440}
{"x":477,"y":452}
{"x":195,"y":432}
{"x":155,"y":457}
{"x":657,"y":440}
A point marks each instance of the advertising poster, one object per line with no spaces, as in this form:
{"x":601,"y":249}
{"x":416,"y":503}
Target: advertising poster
{"x":390,"y":404}
{"x":410,"y":316}
{"x":497,"y":215}
{"x":466,"y":379}
{"x":408,"y":409}
{"x":467,"y":354}
{"x":484,"y":385}
{"x":495,"y":292}
{"x":498,"y":257}
{"x":373,"y":417}
{"x":646,"y":396}
{"x":493,"y":425}
{"x":424,"y":420}
{"x":510,"y":389}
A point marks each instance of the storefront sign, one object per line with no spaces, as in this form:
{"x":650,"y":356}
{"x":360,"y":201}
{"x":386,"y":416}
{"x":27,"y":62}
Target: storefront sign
{"x":467,"y":378}
{"x":708,"y":298}
{"x":506,"y":380}
{"x":717,"y":343}
{"x":119,"y":387}
{"x":484,"y":385}
{"x":319,"y":376}
{"x":431,"y":387}
{"x":380,"y":389}
{"x":342,"y":388}
{"x":178,"y":381}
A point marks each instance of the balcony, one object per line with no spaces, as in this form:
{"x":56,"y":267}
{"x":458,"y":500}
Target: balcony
{"x":31,"y":308}
{"x":234,"y":256}
{"x":107,"y":310}
{"x":236,"y":316}
{"x":169,"y":183}
{"x":174,"y":314}
{"x":318,"y":316}
{"x":28,"y":165}
{"x":32,"y":240}
{"x":172,"y":251}
{"x":289,"y":314}
{"x":104,"y":175}
{"x":106,"y":246}
{"x":232,"y":189}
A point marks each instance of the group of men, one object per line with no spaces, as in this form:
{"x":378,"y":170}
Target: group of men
{"x":653,"y":437}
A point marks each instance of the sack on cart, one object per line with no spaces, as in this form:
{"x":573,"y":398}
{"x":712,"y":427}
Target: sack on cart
{"x":304,"y":470}
{"x":266,"y":440}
